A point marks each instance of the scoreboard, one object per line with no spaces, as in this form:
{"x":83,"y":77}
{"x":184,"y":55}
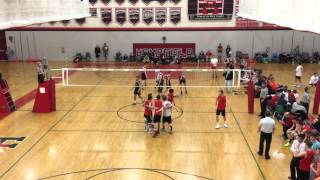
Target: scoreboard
{"x":210,"y":9}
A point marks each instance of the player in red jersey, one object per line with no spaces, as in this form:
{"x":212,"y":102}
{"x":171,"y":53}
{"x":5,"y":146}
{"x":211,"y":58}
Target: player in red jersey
{"x":221,"y":109}
{"x":157,"y":114}
{"x":171,"y":96}
{"x":148,"y":106}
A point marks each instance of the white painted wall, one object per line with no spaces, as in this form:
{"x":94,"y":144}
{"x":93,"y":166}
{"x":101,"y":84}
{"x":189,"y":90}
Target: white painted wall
{"x":96,"y":21}
{"x":35,"y":44}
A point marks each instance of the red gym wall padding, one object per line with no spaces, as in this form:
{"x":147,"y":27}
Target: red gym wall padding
{"x":316,"y":101}
{"x":46,"y":98}
{"x":250,"y":97}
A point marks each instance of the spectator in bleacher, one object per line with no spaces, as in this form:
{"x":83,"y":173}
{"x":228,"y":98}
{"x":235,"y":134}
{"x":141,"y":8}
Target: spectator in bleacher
{"x":286,"y":122}
{"x":285,"y":92}
{"x":296,"y":94}
{"x":105,"y":49}
{"x":298,"y":146}
{"x":299,"y":110}
{"x":314,"y":79}
{"x":228,"y":51}
{"x":219,"y":52}
{"x":314,"y":140}
{"x":305,"y":100}
{"x":315,"y":166}
{"x":293,"y":132}
{"x":291,"y":97}
{"x":306,"y":158}
{"x":97,"y":51}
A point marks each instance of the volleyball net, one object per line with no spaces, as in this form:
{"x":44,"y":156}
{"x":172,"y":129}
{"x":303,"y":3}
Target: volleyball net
{"x":125,"y":77}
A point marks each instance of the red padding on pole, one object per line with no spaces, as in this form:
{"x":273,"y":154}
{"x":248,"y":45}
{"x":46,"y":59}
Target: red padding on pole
{"x":316,"y":101}
{"x":250,"y":97}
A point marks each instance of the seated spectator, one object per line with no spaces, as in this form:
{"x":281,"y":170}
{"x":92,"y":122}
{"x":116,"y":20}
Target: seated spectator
{"x":314,"y":79}
{"x":291,"y":97}
{"x":316,"y":123}
{"x":131,"y":57}
{"x":293,"y":132}
{"x":299,"y":110}
{"x":315,"y":166}
{"x":285,"y":92}
{"x":313,"y":138}
{"x":286,"y":123}
{"x":296,"y":94}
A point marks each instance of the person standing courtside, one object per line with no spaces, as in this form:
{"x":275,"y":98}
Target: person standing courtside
{"x":263,"y":99}
{"x":299,"y":70}
{"x":266,"y":129}
{"x":105,"y":49}
{"x":221,"y":109}
{"x":306,"y":99}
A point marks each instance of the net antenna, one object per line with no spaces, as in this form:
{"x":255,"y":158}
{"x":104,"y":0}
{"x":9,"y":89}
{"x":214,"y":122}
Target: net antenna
{"x":113,"y":77}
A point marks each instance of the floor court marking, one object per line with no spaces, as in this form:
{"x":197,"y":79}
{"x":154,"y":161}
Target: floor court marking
{"x":247,"y":143}
{"x":142,"y":131}
{"x":37,"y":142}
{"x":123,"y":169}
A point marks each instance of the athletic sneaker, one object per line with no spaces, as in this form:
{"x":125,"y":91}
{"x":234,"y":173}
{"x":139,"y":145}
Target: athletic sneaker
{"x":225,"y":125}
{"x":287,"y":144}
{"x":217,"y":126}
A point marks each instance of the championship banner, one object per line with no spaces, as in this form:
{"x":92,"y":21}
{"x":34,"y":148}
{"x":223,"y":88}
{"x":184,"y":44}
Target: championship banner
{"x":175,"y":1}
{"x":121,"y":15}
{"x":210,"y":9}
{"x":161,"y":15}
{"x":106,"y":15}
{"x":93,"y":12}
{"x":182,"y":50}
{"x":175,"y":14}
{"x":147,"y":15}
{"x":134,"y":15}
{"x":162,"y":1}
{"x":105,"y":1}
{"x":133,"y":1}
{"x":146,"y":1}
{"x":93,"y":1}
{"x":81,"y":20}
{"x":119,"y":1}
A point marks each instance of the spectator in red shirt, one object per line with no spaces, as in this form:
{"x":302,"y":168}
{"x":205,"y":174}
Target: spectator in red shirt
{"x":157,"y":113}
{"x":221,"y":109}
{"x":305,"y":162}
{"x":286,"y":122}
{"x":148,"y":113}
{"x":171,"y":96}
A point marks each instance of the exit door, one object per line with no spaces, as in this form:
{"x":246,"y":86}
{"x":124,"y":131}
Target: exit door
{"x":3,"y":46}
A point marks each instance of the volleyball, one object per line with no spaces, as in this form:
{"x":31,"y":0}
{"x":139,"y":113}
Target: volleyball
{"x":214,"y":60}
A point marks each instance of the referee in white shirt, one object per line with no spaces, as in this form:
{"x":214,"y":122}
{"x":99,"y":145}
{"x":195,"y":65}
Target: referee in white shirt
{"x":266,"y":129}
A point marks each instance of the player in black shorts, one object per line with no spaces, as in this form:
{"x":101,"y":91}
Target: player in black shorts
{"x":144,"y":76}
{"x":160,"y":85}
{"x":137,"y":90}
{"x":183,"y":81}
{"x":168,"y":80}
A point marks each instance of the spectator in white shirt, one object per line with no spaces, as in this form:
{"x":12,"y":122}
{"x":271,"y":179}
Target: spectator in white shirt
{"x":266,"y":129}
{"x":314,"y":79}
{"x":298,"y":146}
{"x":299,"y":70}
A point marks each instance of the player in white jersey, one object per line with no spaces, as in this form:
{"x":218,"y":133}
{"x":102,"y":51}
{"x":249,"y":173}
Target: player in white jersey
{"x":299,"y":71}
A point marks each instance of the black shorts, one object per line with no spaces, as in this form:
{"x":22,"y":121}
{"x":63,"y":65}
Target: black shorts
{"x":222,"y":112}
{"x":148,"y":119}
{"x":182,"y":82}
{"x":137,"y":93}
{"x":298,"y":77}
{"x":157,"y":118}
{"x":160,"y":89}
{"x":167,"y":119}
{"x":143,"y":77}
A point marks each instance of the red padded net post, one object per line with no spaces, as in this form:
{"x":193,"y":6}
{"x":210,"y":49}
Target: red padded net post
{"x":250,"y":97}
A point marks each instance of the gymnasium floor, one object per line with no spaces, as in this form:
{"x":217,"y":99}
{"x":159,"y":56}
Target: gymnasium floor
{"x":96,"y":134}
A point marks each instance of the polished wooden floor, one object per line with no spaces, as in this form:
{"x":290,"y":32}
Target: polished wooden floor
{"x":96,"y":134}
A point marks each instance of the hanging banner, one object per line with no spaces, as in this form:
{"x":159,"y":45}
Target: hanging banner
{"x":92,"y":2}
{"x":147,"y":15}
{"x":175,"y":1}
{"x":161,"y":15}
{"x":93,"y":12}
{"x":134,"y":15}
{"x":121,"y":15}
{"x":65,"y":22}
{"x":146,"y":1}
{"x":120,"y":1}
{"x":162,"y":1}
{"x":106,"y":15}
{"x":105,"y":1}
{"x":81,"y":20}
{"x":133,"y":1}
{"x":175,"y":14}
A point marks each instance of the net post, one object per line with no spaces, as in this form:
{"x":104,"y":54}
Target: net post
{"x":67,"y":76}
{"x":233,"y":74}
{"x":239,"y":77}
{"x":63,"y":80}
